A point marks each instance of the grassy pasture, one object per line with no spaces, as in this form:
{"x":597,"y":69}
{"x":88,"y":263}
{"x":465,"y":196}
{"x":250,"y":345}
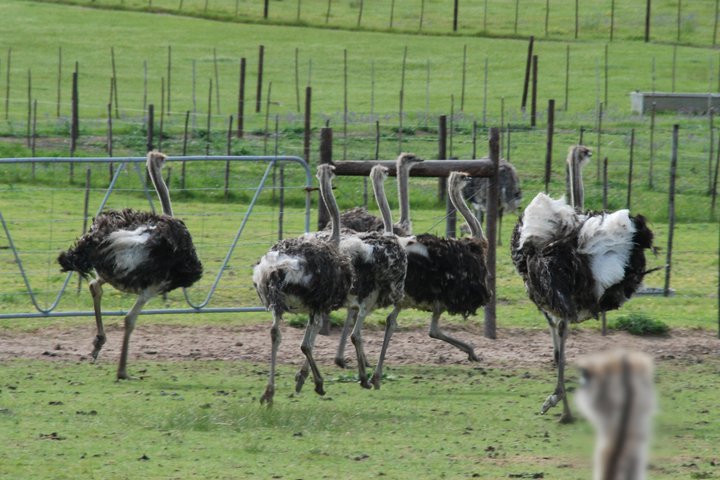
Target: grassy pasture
{"x":476,"y":17}
{"x":202,"y":420}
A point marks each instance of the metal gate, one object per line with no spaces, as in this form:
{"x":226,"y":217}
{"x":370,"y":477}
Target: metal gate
{"x":122,"y":164}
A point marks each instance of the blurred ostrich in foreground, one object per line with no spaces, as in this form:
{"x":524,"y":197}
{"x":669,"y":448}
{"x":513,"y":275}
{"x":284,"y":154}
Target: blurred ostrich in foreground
{"x":135,"y":252}
{"x":576,"y":265}
{"x":617,"y":396}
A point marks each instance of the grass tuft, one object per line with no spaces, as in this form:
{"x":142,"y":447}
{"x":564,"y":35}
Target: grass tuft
{"x":640,"y":324}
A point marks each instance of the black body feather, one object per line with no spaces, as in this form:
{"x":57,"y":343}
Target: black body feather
{"x":358,"y":219}
{"x":171,"y":261}
{"x":453,"y":275}
{"x":559,"y":279}
{"x":329,"y":277}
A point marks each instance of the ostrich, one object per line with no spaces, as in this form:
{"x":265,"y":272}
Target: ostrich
{"x":443,"y":274}
{"x":617,"y":396}
{"x":510,"y":195}
{"x":308,"y":274}
{"x":576,"y":265}
{"x":135,"y":252}
{"x":380,"y":263}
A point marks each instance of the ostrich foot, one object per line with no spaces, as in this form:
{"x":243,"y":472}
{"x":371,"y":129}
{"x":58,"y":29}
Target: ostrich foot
{"x":98,"y":344}
{"x":267,"y":397}
{"x":364,"y":382}
{"x":567,"y":418}
{"x":472,"y":357}
{"x":340,"y":362}
{"x":319,"y":388}
{"x":123,"y":375}
{"x":300,"y":378}
{"x":550,"y":402}
{"x":375,"y":381}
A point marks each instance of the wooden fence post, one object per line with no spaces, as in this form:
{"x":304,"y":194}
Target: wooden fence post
{"x":491,"y":227}
{"x":306,"y":139}
{"x":75,"y":127}
{"x":241,"y":99}
{"x":184,"y":150}
{"x":455,"y":16}
{"x":326,"y":147}
{"x":533,"y":100}
{"x":671,"y":209}
{"x":549,"y":146}
{"x":442,"y":153}
{"x":150,"y":127}
{"x":261,"y":61}
{"x":647,"y":20}
{"x":630,"y":169}
{"x":528,"y":66}
{"x":605,"y":184}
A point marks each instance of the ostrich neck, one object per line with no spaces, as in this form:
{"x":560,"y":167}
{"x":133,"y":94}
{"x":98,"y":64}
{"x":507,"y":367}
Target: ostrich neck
{"x":383,"y":205}
{"x":156,"y":177}
{"x":459,"y":203}
{"x":332,"y":207}
{"x":403,"y":172}
{"x":577,"y":192}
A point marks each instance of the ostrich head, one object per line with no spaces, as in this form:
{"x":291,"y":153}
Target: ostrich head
{"x":155,"y":162}
{"x":618,"y":398}
{"x":403,"y":165}
{"x":578,"y":157}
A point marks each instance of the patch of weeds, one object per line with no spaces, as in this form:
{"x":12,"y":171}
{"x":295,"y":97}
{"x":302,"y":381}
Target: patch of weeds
{"x":640,"y":324}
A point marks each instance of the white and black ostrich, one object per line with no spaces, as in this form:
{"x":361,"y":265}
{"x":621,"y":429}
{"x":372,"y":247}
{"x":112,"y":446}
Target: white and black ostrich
{"x":576,"y":265}
{"x":510,"y":194}
{"x":443,"y":274}
{"x":379,"y":263}
{"x":135,"y":252}
{"x":304,"y":275}
{"x":617,"y":396}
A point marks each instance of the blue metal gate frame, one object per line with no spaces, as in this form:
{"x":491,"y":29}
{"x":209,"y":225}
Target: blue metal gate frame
{"x":201,"y":307}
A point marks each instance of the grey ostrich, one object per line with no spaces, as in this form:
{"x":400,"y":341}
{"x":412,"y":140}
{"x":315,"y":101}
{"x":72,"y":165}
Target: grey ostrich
{"x":379,"y":265}
{"x":443,"y":274}
{"x":308,"y":274}
{"x":510,"y":194}
{"x":617,"y":396}
{"x":576,"y":265}
{"x":135,"y":252}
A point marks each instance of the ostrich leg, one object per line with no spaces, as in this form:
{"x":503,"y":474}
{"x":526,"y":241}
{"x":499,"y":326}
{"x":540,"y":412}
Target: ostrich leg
{"x":275,"y":337}
{"x":357,"y":340}
{"x":340,"y":354}
{"x":390,"y":325}
{"x":96,"y":291}
{"x":435,"y":332}
{"x":130,"y":319}
{"x":307,"y":347}
{"x":559,"y":331}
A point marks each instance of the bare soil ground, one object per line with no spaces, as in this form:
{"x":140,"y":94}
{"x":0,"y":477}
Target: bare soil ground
{"x":513,"y":347}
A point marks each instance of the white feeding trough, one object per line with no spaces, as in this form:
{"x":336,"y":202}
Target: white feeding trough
{"x":641,"y":102}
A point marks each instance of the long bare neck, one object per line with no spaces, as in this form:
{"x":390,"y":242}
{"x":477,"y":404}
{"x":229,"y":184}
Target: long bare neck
{"x":577,"y":190}
{"x":154,"y":169}
{"x":403,"y":172}
{"x":455,"y":191}
{"x":378,"y":184}
{"x":325,"y":179}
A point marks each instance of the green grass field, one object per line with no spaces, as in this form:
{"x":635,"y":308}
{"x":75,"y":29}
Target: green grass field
{"x":202,"y":419}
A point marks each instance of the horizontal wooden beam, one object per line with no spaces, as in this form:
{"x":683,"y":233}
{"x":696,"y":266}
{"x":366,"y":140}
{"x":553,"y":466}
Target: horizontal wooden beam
{"x":428,"y":168}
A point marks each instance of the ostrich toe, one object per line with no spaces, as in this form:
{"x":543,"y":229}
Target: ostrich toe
{"x":550,"y":402}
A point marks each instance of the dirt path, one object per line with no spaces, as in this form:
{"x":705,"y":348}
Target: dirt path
{"x":516,"y":347}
